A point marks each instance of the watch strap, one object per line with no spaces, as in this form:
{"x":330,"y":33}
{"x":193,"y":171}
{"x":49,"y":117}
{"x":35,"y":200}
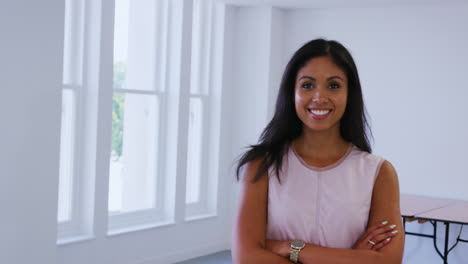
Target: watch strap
{"x":294,"y":255}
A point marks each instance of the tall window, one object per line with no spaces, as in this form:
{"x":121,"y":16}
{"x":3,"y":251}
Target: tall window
{"x":138,"y":93}
{"x":72,"y":89}
{"x":198,"y":178}
{"x":145,"y":122}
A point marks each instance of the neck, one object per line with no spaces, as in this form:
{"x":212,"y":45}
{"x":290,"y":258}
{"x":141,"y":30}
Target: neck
{"x":321,"y":144}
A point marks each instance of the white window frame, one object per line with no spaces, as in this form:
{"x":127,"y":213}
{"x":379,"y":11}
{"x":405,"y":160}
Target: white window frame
{"x":163,"y":212}
{"x":201,"y":66}
{"x":93,"y":125}
{"x":210,"y":62}
{"x":87,"y":204}
{"x":69,"y":230}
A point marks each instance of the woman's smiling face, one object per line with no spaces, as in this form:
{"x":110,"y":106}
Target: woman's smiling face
{"x":320,"y":94}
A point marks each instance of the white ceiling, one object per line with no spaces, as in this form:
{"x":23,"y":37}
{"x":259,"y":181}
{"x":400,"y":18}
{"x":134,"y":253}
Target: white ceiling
{"x":337,"y":3}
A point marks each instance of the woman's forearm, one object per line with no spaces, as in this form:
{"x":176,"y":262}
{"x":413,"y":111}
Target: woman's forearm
{"x":257,"y":255}
{"x":312,"y":254}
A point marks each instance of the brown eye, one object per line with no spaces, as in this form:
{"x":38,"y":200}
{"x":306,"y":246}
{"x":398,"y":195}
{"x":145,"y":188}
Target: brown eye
{"x":335,"y":85}
{"x":306,"y":85}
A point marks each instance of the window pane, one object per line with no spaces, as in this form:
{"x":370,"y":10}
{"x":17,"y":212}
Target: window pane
{"x":194,"y":150}
{"x":201,"y":47}
{"x":133,"y":161}
{"x":134,"y":44}
{"x":66,"y":156}
{"x":120,"y":43}
{"x":73,"y":48}
{"x":196,"y":67}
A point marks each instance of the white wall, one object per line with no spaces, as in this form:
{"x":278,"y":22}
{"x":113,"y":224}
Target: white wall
{"x":31,"y":50}
{"x":412,"y":62}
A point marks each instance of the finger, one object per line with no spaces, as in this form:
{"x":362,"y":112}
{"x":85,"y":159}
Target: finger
{"x":374,"y":234}
{"x":382,"y":244}
{"x":366,"y":242}
{"x":370,"y":244}
{"x":375,"y":227}
{"x":386,"y":235}
{"x":380,"y":231}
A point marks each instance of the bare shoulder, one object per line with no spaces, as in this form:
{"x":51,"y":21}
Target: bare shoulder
{"x":253,"y":193}
{"x":387,"y":175}
{"x":250,"y":170}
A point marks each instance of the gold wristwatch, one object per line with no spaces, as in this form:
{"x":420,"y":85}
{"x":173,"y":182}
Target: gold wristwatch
{"x":295,"y":247}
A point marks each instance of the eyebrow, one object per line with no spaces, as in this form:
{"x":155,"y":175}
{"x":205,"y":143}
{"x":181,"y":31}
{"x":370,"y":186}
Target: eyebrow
{"x":313,"y":79}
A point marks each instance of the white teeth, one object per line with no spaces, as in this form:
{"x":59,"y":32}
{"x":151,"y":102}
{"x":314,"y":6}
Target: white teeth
{"x":320,"y":112}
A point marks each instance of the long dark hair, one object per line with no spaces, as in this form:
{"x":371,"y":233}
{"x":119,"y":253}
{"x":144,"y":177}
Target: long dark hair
{"x":285,"y":125}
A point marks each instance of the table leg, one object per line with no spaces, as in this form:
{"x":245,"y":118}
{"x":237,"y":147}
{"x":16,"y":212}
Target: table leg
{"x":447,"y":227}
{"x":434,"y":240}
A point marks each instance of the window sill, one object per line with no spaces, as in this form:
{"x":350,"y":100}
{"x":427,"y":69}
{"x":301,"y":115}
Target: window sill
{"x":74,"y":239}
{"x":142,"y":227}
{"x":199,"y":217}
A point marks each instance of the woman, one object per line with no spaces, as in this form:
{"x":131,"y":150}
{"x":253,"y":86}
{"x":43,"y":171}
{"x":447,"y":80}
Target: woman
{"x":312,"y":192}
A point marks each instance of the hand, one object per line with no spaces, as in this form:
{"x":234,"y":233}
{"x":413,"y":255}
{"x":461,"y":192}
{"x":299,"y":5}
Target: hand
{"x":278,"y":247}
{"x":381,"y":234}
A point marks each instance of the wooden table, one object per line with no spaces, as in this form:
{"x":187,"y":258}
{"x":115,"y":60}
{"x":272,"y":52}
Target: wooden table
{"x":434,"y":210}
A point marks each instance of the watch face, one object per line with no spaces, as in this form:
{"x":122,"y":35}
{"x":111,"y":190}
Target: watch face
{"x":297,"y":243}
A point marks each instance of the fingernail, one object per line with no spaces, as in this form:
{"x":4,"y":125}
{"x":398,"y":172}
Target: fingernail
{"x":388,"y":239}
{"x":385,"y":222}
{"x":392,"y":226}
{"x":394,"y":231}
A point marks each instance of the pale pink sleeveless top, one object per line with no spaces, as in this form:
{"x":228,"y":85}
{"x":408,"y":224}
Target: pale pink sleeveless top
{"x":326,"y":206}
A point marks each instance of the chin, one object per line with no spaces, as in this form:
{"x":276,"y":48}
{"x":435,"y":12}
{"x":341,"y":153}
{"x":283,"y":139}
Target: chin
{"x":318,"y":128}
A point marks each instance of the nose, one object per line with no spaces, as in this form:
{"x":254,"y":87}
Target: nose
{"x":318,"y":98}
